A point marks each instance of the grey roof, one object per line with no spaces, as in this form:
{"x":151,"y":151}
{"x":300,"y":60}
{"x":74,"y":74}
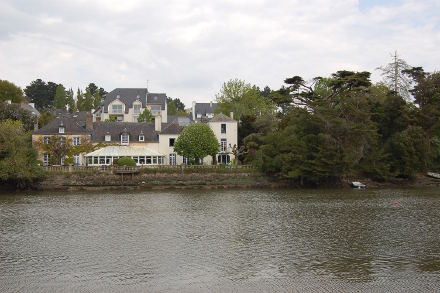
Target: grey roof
{"x":27,"y":107}
{"x":171,"y":128}
{"x":205,"y":108}
{"x":181,"y":120}
{"x":221,"y":118}
{"x":73,"y":124}
{"x":129,"y":95}
{"x":100,"y":129}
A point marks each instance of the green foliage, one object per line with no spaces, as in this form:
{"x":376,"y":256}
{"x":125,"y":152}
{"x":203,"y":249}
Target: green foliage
{"x":60,"y":97}
{"x":70,"y":101}
{"x":126,"y":161}
{"x":175,"y":107}
{"x":88,"y":101}
{"x":18,"y":159}
{"x":146,"y":116}
{"x":97,"y":100}
{"x":15,"y":112}
{"x":41,"y":93}
{"x":196,"y":142}
{"x":79,"y":100}
{"x":243,"y":99}
{"x":57,"y":148}
{"x":9,"y":91}
{"x":45,"y":117}
{"x":92,"y":88}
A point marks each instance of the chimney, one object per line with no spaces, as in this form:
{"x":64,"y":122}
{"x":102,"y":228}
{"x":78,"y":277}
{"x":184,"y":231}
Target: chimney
{"x":158,"y":123}
{"x":89,"y":121}
{"x":231,"y":115}
{"x":35,"y":123}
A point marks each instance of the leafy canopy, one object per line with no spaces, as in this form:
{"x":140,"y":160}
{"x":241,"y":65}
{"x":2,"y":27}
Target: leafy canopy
{"x":196,"y":142}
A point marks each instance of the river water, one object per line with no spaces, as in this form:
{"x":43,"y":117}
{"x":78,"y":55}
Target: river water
{"x":221,"y":241}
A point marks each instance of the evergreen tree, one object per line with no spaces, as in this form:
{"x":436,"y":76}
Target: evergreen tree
{"x":96,"y":100}
{"x":79,"y":100}
{"x":60,"y":97}
{"x":88,"y":101}
{"x":70,"y":101}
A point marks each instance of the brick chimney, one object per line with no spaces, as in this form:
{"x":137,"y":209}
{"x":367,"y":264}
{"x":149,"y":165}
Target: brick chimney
{"x":89,"y":121}
{"x":158,"y":123}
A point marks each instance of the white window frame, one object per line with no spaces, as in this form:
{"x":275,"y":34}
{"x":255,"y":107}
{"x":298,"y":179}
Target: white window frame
{"x":76,"y":140}
{"x":169,"y":142}
{"x":141,"y":137}
{"x":221,"y":128}
{"x":123,"y":140}
{"x":61,"y":129}
{"x":46,"y":158}
{"x":223,"y":145}
{"x":172,"y":159}
{"x":116,"y":110}
{"x":108,"y":137}
{"x":62,"y":160}
{"x":135,"y":118}
{"x":135,"y":111}
{"x":46,"y":139}
{"x":76,"y":160}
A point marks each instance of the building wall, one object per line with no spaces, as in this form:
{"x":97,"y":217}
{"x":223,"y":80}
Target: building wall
{"x":129,"y":117}
{"x":164,"y":148}
{"x":231,"y":134}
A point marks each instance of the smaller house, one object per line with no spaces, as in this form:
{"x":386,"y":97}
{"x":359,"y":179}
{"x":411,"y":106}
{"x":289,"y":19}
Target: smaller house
{"x":203,"y":110}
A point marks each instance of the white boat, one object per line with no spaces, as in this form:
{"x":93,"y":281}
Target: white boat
{"x":433,"y":175}
{"x":357,"y":184}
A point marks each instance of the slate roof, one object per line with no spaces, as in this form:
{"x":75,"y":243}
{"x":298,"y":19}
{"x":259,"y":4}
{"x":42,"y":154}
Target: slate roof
{"x":73,"y":124}
{"x":100,"y":129}
{"x":27,"y":107}
{"x":221,"y":118}
{"x":129,"y":95}
{"x":172,"y":128}
{"x":205,"y":108}
{"x":181,"y":120}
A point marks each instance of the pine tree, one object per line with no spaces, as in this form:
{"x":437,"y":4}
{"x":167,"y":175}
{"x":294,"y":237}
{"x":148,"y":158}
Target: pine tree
{"x":70,"y":101}
{"x":79,"y":100}
{"x":96,"y":100}
{"x":88,"y":101}
{"x":60,"y":97}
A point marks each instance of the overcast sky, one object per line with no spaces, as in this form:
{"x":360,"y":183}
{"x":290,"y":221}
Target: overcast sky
{"x":188,"y":48}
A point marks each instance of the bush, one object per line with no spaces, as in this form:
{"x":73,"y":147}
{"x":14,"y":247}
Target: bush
{"x":126,"y":161}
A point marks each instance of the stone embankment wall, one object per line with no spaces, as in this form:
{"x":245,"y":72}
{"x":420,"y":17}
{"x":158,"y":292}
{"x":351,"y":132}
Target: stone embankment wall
{"x":98,"y":181}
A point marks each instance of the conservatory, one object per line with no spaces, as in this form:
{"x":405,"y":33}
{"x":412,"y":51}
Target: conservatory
{"x":141,"y":155}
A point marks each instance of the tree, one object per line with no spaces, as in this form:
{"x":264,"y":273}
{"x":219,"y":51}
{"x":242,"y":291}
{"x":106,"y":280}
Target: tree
{"x":70,"y":101}
{"x":9,"y":91}
{"x":196,"y":142}
{"x":126,"y":161}
{"x":57,"y":148}
{"x":243,"y":99}
{"x":92,"y":88}
{"x":88,"y":101}
{"x":394,"y":76}
{"x":15,"y":112}
{"x":41,"y":93}
{"x":60,"y":97}
{"x":146,"y":116}
{"x":79,"y":100}
{"x":45,"y":117}
{"x":96,"y":100}
{"x":18,"y":159}
{"x":102,"y":92}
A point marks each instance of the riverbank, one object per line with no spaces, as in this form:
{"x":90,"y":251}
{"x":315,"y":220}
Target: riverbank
{"x":202,"y":180}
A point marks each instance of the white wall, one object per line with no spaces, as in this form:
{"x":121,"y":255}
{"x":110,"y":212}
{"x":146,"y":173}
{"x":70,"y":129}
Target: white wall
{"x":164,"y":148}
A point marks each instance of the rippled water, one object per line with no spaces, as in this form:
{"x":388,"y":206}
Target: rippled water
{"x":239,"y":240}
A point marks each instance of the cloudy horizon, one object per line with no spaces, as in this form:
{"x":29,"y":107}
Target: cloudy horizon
{"x":188,"y":48}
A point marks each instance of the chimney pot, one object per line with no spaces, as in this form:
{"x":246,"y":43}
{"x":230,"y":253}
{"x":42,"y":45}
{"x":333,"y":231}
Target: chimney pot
{"x":231,"y":115}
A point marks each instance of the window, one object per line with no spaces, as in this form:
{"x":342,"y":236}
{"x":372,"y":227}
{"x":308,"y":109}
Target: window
{"x":95,"y":160}
{"x":89,"y":160}
{"x":76,"y":160}
{"x":224,"y":159}
{"x":223,"y":128}
{"x":173,"y":159}
{"x":199,"y":115}
{"x":125,"y":139}
{"x":172,"y":140}
{"x":117,"y":109}
{"x":45,"y":159}
{"x":154,"y":160}
{"x":108,"y":137}
{"x":76,"y":141}
{"x":135,"y":118}
{"x":185,"y":160}
{"x":137,"y":109}
{"x":223,"y":145}
{"x":155,"y":110}
{"x":108,"y":160}
{"x":61,"y":129}
{"x":142,"y":160}
{"x":148,"y":160}
{"x":46,"y":140}
{"x":62,"y":161}
{"x":101,"y":160}
{"x":141,"y":137}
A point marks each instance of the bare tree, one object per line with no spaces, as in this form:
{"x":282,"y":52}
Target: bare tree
{"x":394,"y":77}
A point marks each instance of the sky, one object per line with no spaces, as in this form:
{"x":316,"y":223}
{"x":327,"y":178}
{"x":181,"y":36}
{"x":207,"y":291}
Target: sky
{"x":189,"y":48}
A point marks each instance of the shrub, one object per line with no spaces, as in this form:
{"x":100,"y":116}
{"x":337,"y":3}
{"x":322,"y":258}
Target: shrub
{"x":126,"y":161}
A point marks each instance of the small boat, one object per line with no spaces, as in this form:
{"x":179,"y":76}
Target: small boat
{"x":358,"y":185}
{"x":433,"y":175}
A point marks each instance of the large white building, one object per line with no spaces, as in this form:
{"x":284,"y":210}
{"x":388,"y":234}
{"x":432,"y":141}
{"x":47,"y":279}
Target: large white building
{"x":147,"y":143}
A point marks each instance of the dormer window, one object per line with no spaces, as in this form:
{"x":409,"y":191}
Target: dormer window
{"x":125,"y":139}
{"x":137,"y":108}
{"x":117,"y":109}
{"x":61,"y":129}
{"x":108,"y":137}
{"x":141,"y":137}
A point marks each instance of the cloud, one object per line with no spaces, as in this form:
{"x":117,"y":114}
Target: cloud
{"x":188,"y":48}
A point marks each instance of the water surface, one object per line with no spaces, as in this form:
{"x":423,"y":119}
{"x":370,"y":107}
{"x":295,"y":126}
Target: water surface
{"x":228,"y":240}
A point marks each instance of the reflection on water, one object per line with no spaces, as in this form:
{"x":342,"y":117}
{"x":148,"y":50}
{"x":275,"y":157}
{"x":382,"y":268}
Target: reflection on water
{"x":245,"y":240}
